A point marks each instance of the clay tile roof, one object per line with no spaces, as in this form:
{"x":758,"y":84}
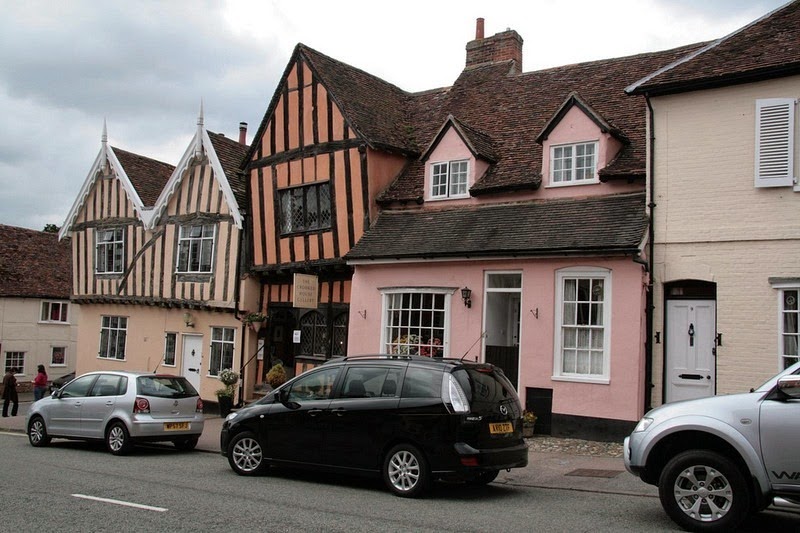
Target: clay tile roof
{"x":606,"y":224}
{"x":231,"y":156}
{"x":512,"y":109}
{"x":147,"y":176}
{"x":34,"y":264}
{"x":767,"y":47}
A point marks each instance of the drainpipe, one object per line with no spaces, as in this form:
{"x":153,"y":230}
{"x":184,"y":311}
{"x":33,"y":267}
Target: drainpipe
{"x":648,"y":356}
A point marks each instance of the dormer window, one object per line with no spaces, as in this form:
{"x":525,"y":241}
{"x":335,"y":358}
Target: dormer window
{"x":572,"y":164}
{"x":449,"y":179}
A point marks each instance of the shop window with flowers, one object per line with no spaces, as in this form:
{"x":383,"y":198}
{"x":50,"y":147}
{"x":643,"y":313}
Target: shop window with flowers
{"x":415,"y":322}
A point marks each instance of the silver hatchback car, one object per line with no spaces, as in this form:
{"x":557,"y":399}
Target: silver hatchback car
{"x":120,"y":408}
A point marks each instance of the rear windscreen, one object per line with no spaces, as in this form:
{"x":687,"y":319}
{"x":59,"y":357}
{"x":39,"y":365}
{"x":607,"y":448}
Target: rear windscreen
{"x":165,"y":387}
{"x":487,"y":389}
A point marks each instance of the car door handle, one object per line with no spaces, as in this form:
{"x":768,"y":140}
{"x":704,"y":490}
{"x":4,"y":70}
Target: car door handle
{"x":339,"y":412}
{"x":314,"y":412}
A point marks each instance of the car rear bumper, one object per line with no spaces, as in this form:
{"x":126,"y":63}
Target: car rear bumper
{"x":151,"y":428}
{"x":470,"y":459}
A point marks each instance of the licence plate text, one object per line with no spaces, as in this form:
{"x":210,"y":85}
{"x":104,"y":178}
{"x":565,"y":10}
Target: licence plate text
{"x":175,"y":426}
{"x":500,"y":427}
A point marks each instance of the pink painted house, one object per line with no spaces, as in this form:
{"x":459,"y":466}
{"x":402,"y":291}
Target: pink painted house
{"x":516,"y":233}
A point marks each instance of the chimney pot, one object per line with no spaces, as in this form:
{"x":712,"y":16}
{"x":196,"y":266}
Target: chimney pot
{"x":479,"y":28}
{"x":243,"y":133}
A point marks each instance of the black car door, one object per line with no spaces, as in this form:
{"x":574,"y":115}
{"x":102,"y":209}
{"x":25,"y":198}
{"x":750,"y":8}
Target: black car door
{"x":363,"y":416}
{"x":293,"y":431}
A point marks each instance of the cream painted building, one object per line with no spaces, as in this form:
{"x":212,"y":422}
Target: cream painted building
{"x":725,"y":207}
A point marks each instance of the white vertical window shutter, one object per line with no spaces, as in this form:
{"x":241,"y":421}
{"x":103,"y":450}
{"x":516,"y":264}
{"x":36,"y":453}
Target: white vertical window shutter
{"x":775,"y":142}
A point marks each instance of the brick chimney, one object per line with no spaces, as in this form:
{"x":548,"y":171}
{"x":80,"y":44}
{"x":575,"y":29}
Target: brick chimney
{"x":243,"y":133}
{"x":503,"y":46}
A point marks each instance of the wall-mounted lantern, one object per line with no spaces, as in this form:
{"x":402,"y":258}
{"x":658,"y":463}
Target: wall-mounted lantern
{"x":466,"y":295}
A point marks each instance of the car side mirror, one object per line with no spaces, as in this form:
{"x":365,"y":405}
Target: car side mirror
{"x":789,"y":387}
{"x":56,"y":394}
{"x":283,"y":397}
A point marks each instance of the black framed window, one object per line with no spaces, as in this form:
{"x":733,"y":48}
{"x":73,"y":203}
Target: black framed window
{"x":305,"y":208}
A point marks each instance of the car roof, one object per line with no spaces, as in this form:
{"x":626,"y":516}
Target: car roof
{"x":443,"y":362}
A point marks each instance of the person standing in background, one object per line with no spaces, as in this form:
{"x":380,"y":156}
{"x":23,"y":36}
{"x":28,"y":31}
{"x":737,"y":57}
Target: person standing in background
{"x":39,"y":384}
{"x":10,"y":392}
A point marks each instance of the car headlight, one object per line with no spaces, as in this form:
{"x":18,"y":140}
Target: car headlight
{"x":643,"y":424}
{"x":230,"y":417}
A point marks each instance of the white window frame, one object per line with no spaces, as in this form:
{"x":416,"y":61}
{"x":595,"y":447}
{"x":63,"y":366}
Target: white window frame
{"x":188,"y":243}
{"x":388,"y":344}
{"x":453,"y":179}
{"x":571,"y":179}
{"x":582,"y":273}
{"x":52,"y":353}
{"x":47,"y":312}
{"x":222,"y":339}
{"x":19,"y":364}
{"x":113,"y":326}
{"x":782,"y":289}
{"x":167,"y":336}
{"x":775,"y":143}
{"x":113,"y":244}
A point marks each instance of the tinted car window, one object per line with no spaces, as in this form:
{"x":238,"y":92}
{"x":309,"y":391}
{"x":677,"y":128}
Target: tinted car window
{"x":422,"y":383}
{"x":370,"y":382}
{"x":108,"y":385}
{"x":485,"y":388}
{"x":315,"y":386}
{"x":165,"y":387}
{"x":78,"y":387}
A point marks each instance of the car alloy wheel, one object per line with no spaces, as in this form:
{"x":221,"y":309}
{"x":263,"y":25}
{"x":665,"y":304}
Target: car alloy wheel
{"x":117,"y":439}
{"x":37,"y":433}
{"x":405,"y":471}
{"x":245,"y":455}
{"x":704,"y":491}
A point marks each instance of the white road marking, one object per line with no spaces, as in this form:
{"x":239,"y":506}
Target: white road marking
{"x":120,"y":502}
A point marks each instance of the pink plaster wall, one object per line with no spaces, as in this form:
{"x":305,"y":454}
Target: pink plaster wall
{"x":621,"y":398}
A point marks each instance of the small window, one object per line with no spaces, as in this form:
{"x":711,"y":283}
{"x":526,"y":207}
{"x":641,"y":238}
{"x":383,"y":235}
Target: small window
{"x":78,"y":387}
{"x":573,"y":163}
{"x":15,"y":360}
{"x":449,"y":179}
{"x":222,"y":343}
{"x":790,"y":333}
{"x":107,"y":385}
{"x":170,"y":342}
{"x":370,"y":382}
{"x":54,"y":311}
{"x":113,"y":334}
{"x":306,"y":208}
{"x":415,"y":322}
{"x":165,"y":387}
{"x":110,"y":251}
{"x":58,"y":356}
{"x":195,"y":248}
{"x":422,"y":383}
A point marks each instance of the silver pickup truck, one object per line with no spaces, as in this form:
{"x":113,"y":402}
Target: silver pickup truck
{"x":716,"y":460}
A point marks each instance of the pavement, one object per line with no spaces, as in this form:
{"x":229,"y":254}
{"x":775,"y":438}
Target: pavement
{"x":558,"y":469}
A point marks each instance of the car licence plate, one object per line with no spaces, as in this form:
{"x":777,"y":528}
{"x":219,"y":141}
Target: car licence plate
{"x":175,"y":426}
{"x":500,"y":427}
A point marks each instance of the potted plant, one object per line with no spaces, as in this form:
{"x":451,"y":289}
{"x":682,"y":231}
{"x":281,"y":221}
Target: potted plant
{"x":229,"y":378}
{"x":276,"y":376}
{"x":254,"y":320}
{"x":528,"y":423}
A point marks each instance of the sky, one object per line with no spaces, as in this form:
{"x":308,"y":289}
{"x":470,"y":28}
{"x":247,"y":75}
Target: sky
{"x":144,"y":67}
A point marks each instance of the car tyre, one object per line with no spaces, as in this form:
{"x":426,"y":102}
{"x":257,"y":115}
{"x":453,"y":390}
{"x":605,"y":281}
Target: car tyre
{"x":704,"y":491}
{"x":483,"y":478}
{"x":186,"y":444}
{"x":405,"y":471}
{"x":37,"y":432}
{"x":245,"y":455}
{"x":118,"y":440}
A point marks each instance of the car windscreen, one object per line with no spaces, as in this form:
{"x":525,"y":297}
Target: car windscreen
{"x":165,"y":387}
{"x":486,"y":389}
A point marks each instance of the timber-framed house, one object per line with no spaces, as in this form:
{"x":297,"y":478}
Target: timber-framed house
{"x":155,"y":249}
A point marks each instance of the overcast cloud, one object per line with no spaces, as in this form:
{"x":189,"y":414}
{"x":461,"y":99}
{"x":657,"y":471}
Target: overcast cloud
{"x":66,"y":66}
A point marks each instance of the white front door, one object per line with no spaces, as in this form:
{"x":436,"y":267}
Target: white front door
{"x":192,"y":358}
{"x":690,"y":345}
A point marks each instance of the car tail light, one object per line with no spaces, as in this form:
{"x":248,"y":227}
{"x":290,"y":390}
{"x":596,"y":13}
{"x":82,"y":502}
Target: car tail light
{"x":199,"y":407}
{"x":453,"y":395}
{"x":469,"y":460}
{"x":141,"y":405}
